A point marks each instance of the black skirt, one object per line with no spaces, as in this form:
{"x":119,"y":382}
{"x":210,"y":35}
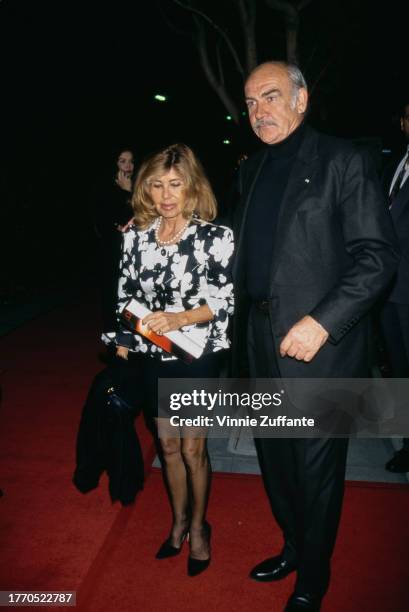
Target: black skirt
{"x":149,"y":369}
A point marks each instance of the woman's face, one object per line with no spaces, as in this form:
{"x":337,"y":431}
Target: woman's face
{"x":125,"y":163}
{"x":168,"y":194}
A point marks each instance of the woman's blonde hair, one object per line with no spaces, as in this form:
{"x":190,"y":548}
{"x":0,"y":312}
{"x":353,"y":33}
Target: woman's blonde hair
{"x":199,"y":195}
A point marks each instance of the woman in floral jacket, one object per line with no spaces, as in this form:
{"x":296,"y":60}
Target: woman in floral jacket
{"x":178,"y":265}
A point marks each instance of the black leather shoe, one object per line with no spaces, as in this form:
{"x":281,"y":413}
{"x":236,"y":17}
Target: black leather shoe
{"x":399,"y":462}
{"x":303,"y":602}
{"x":274,"y":568}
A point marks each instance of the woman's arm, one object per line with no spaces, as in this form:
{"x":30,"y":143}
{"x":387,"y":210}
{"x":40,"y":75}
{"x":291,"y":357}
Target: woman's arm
{"x":127,"y":278}
{"x":162,"y":322}
{"x":123,"y":337}
{"x":219,"y":276}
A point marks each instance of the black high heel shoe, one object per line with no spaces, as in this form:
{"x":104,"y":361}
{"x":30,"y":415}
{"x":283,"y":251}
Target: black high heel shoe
{"x":168,"y":550}
{"x":197,"y":566}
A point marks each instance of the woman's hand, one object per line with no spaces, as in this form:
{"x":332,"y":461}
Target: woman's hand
{"x":125,"y":228}
{"x":123,"y":180}
{"x":161,"y":322}
{"x":122,"y":351}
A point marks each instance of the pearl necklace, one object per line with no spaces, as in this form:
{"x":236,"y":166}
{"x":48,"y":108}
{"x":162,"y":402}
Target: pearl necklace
{"x":174,"y":238}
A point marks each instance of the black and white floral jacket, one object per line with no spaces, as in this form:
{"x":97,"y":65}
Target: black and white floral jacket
{"x":182,"y":276}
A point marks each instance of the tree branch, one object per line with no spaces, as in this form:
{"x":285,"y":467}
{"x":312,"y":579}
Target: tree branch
{"x":220,"y":66}
{"x":218,"y":29}
{"x":170,"y":24}
{"x":291,"y":19}
{"x":248,"y":20}
{"x":211,"y":77}
{"x":289,"y":10}
{"x":319,"y":76}
{"x":310,"y":58}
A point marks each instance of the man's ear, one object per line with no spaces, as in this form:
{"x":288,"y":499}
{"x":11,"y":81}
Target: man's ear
{"x":302,"y":100}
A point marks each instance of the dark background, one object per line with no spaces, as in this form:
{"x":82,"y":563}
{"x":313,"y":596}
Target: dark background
{"x":78,"y":80}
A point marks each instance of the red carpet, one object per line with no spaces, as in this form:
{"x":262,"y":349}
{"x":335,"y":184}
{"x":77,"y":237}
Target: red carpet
{"x":49,"y":532}
{"x":54,"y":538}
{"x":243,"y":535}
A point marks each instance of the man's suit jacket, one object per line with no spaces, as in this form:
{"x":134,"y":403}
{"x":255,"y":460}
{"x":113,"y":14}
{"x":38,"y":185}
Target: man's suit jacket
{"x":334,"y":254}
{"x":400,"y":216}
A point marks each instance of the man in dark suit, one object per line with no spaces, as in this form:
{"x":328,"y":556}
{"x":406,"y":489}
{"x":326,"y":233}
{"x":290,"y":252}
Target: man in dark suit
{"x":395,"y":312}
{"x":315,"y":249}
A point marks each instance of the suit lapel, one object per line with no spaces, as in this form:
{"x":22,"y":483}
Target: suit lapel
{"x":298,"y":185}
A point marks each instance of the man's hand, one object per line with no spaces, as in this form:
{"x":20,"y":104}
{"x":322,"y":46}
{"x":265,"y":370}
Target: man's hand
{"x":304,"y":340}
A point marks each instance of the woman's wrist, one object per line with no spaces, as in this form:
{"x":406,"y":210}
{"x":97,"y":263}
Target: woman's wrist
{"x":183,"y":318}
{"x":203,"y":314}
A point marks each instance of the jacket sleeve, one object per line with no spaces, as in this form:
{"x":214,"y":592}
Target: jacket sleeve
{"x":126,"y":290}
{"x":370,"y":240}
{"x":219,"y":276}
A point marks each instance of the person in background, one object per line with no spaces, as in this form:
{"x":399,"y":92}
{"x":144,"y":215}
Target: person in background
{"x":394,"y":314}
{"x":111,"y":217}
{"x":178,"y":265}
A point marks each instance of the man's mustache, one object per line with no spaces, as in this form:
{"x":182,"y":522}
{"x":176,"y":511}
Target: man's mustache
{"x":263,"y":122}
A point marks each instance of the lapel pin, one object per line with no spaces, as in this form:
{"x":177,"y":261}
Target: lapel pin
{"x":306,"y":180}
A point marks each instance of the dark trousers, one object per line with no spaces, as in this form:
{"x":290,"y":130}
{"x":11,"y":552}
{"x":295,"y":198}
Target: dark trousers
{"x":304,"y":478}
{"x":395,"y":332}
